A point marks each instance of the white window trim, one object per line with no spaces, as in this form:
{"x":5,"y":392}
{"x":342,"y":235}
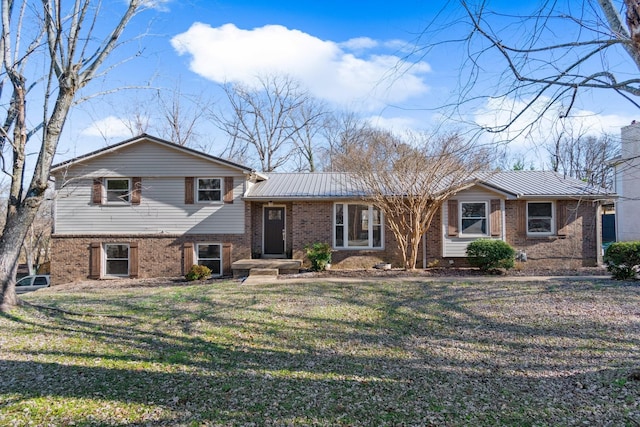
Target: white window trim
{"x":105,"y":192}
{"x":552,"y":219}
{"x":345,"y":228}
{"x":197,"y":259}
{"x":105,"y":259}
{"x":486,"y":218}
{"x":197,"y":187}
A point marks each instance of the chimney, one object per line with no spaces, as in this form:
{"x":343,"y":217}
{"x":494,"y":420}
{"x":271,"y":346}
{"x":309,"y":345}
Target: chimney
{"x":630,"y":135}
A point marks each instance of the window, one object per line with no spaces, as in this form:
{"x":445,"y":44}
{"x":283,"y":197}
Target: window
{"x":357,"y":226}
{"x":116,"y":259}
{"x":210,"y":255}
{"x":209,"y":190}
{"x":118,"y":190}
{"x":473,"y":218}
{"x":539,"y":218}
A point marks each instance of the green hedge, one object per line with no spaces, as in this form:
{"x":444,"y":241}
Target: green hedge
{"x":198,"y":272}
{"x":319,"y":254}
{"x":623,"y":260}
{"x":490,"y":254}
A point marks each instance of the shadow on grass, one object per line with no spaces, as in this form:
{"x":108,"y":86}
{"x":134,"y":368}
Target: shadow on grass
{"x":338,"y":354}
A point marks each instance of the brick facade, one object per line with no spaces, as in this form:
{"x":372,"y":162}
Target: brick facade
{"x":159,"y":255}
{"x":577,"y":248}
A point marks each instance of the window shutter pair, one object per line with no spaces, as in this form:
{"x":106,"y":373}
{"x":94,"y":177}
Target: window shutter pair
{"x":188,"y":261}
{"x":190,"y":190}
{"x":97,"y":191}
{"x":95,"y":260}
{"x":495,"y":218}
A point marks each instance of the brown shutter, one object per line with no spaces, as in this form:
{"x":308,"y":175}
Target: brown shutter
{"x":228,"y":189}
{"x":188,"y":191}
{"x":452,"y":208}
{"x":96,"y":192}
{"x":136,"y":192}
{"x":187,"y":254}
{"x":134,"y":260}
{"x":94,"y":260}
{"x":226,"y":258}
{"x":521,"y":212}
{"x":495,"y":218}
{"x":561,"y":217}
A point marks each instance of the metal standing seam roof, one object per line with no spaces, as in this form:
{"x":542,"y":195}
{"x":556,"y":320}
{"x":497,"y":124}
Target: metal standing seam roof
{"x":542,"y":183}
{"x":306,"y":185}
{"x":334,"y":185}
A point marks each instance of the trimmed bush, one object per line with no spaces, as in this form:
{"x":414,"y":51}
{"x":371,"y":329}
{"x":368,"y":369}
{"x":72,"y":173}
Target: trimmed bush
{"x":198,"y":272}
{"x":490,"y":254}
{"x":623,"y":260}
{"x":319,"y":254}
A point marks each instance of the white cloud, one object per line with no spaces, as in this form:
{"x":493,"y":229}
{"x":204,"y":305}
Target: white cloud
{"x":529,"y":133}
{"x":109,"y":127}
{"x":326,"y":68}
{"x":359,"y":43}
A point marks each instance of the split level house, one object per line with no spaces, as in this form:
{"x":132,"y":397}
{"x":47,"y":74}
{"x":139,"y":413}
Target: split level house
{"x":149,"y":208}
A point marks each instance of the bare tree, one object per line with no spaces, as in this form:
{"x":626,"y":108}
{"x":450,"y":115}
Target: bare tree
{"x":409,"y":180}
{"x":69,"y":52}
{"x":343,"y":130}
{"x":535,"y":65}
{"x":36,"y":246}
{"x":266,"y":122}
{"x":585,"y":157}
{"x":180,"y":117}
{"x":308,"y":140}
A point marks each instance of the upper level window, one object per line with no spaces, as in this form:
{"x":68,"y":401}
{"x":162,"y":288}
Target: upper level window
{"x":539,"y":218}
{"x":357,"y":226}
{"x":473,"y":218}
{"x":209,"y":190}
{"x":118,"y":190}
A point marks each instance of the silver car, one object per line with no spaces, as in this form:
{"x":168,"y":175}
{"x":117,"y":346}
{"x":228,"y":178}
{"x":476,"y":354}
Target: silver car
{"x":32,"y":283}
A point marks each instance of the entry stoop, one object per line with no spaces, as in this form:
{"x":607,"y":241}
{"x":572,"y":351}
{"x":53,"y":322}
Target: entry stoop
{"x":265,"y":267}
{"x":263,"y":272}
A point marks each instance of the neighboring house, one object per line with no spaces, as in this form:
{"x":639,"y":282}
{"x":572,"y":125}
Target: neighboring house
{"x":627,"y":177}
{"x":149,"y":208}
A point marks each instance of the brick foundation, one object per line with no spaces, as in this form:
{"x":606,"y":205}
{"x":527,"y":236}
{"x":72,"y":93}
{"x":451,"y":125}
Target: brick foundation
{"x":159,"y":255}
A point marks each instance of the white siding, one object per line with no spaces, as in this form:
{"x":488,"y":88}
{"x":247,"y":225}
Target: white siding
{"x":457,"y":246}
{"x":162,"y":208}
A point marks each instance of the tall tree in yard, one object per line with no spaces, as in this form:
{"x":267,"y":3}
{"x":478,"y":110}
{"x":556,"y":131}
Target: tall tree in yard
{"x":62,"y":40}
{"x":408,"y":179}
{"x":532,"y":65}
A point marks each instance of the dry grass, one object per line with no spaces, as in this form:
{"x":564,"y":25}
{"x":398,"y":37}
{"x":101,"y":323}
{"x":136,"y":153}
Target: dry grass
{"x":325,"y":352}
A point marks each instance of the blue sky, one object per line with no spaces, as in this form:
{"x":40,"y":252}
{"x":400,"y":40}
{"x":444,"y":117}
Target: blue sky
{"x":344,"y":52}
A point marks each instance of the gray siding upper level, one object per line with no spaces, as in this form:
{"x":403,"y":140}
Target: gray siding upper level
{"x":162,"y":208}
{"x":146,"y":159}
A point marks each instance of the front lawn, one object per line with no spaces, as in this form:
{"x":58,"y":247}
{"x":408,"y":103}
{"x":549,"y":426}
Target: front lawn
{"x":380,"y":352}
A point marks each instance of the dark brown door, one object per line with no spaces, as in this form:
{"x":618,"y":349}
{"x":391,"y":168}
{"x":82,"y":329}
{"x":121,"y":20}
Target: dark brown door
{"x":274,"y":230}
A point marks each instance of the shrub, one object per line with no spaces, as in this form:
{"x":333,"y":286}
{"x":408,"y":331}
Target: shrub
{"x":319,"y":254}
{"x":623,"y":260}
{"x":198,"y":272}
{"x":489,"y":254}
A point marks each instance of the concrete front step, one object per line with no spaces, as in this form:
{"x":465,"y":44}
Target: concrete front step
{"x":243,"y":267}
{"x":263,"y":272}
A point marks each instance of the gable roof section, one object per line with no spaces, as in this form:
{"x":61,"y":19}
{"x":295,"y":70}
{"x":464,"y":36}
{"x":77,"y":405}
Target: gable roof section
{"x":144,"y":137}
{"x":332,"y":185}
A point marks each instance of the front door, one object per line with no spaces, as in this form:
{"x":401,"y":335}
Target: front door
{"x":274,"y":231}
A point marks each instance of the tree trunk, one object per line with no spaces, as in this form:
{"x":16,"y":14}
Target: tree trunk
{"x":10,"y":247}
